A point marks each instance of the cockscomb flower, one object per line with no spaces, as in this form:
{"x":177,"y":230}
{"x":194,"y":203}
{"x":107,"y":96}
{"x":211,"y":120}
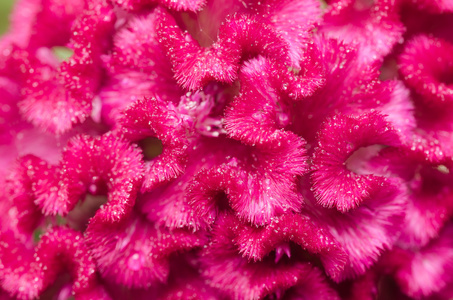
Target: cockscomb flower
{"x":226,"y":149}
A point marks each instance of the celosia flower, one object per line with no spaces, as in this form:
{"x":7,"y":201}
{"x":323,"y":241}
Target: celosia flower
{"x":209,"y":149}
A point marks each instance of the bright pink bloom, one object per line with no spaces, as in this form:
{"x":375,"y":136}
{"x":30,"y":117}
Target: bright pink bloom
{"x":210,"y":149}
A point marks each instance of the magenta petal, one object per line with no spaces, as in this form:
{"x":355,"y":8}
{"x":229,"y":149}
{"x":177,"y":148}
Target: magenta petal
{"x":239,"y":278}
{"x":260,"y":182}
{"x":20,"y":192}
{"x":60,"y":248}
{"x":178,"y":5}
{"x":47,"y":104}
{"x":26,"y":275}
{"x":309,"y":78}
{"x":428,"y":270}
{"x":61,"y":12}
{"x":293,"y":19}
{"x":426,"y":65}
{"x":373,"y":25}
{"x":16,"y":276}
{"x":425,"y":216}
{"x":396,"y":104}
{"x":152,"y":117}
{"x":256,"y":243}
{"x":195,"y":66}
{"x":81,"y":74}
{"x":365,"y":232}
{"x":335,"y":185}
{"x":259,"y":106}
{"x":137,"y":68}
{"x":33,"y":22}
{"x":255,"y":192}
{"x":95,"y":163}
{"x":30,"y":176}
{"x":205,"y":191}
{"x":430,"y":195}
{"x":439,"y":6}
{"x":136,"y":253}
{"x":192,"y":5}
{"x":347,"y":84}
{"x":168,"y":204}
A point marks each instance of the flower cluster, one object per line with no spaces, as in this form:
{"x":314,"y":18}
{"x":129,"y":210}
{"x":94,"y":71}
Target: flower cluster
{"x":227,"y":149}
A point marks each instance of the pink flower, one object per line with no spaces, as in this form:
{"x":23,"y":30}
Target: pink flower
{"x":207,"y":149}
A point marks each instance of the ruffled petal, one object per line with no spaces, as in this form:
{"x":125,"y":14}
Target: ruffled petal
{"x":334,"y":185}
{"x":426,"y":65}
{"x":47,"y":104}
{"x":195,"y":66}
{"x":33,"y":23}
{"x":137,"y":67}
{"x":153,"y":117}
{"x":347,"y":85}
{"x":26,"y":273}
{"x":257,"y":243}
{"x":293,"y":19}
{"x":396,"y":104}
{"x":178,"y":5}
{"x":239,"y":278}
{"x":15,"y":261}
{"x":380,"y":217}
{"x":254,"y":183}
{"x":82,"y":73}
{"x":135,"y":253}
{"x":373,"y":25}
{"x":256,"y":193}
{"x":61,"y":12}
{"x":424,"y":272}
{"x":259,"y":106}
{"x":94,"y":164}
{"x":303,"y":81}
{"x":21,"y":191}
{"x":261,"y":182}
{"x":169,"y":204}
{"x":430,"y":203}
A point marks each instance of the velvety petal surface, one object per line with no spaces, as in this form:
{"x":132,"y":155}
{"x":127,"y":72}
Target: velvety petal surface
{"x":96,"y":165}
{"x":426,"y":65}
{"x":334,"y":185}
{"x":136,"y":253}
{"x":374,"y":26}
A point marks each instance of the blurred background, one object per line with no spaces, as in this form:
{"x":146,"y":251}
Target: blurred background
{"x":5,"y":8}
